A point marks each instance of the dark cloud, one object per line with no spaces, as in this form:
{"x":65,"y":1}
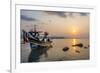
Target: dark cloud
{"x":71,"y":14}
{"x":23,"y":17}
{"x":84,"y":14}
{"x":61,"y":14}
{"x":65,"y":14}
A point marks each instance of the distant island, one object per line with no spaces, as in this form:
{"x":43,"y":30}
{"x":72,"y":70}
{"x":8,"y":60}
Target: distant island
{"x":63,"y":37}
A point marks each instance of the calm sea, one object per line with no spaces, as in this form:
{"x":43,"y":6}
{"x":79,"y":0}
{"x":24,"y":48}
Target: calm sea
{"x":56,"y":52}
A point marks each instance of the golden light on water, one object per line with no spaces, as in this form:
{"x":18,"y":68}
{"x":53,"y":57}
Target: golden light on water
{"x":74,"y":42}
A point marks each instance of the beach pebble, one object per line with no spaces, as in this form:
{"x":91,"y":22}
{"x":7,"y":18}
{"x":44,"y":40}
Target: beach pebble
{"x":77,"y":51}
{"x":65,"y":49}
{"x":86,"y":47}
{"x":79,"y":45}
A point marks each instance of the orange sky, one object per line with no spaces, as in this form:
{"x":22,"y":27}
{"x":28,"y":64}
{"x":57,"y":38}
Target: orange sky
{"x":69,"y":24}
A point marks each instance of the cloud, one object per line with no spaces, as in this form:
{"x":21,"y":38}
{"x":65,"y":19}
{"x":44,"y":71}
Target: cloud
{"x":72,"y":14}
{"x":65,"y":14}
{"x":23,"y":17}
{"x":84,"y":14}
{"x":60,"y":14}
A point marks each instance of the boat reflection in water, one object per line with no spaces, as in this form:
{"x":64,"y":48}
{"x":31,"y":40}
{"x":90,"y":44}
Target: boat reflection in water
{"x":37,"y":51}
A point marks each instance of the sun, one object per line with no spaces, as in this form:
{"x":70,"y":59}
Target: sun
{"x":74,"y":31}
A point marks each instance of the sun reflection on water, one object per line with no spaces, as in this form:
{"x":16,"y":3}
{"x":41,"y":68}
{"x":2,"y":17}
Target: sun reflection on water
{"x":74,"y":42}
